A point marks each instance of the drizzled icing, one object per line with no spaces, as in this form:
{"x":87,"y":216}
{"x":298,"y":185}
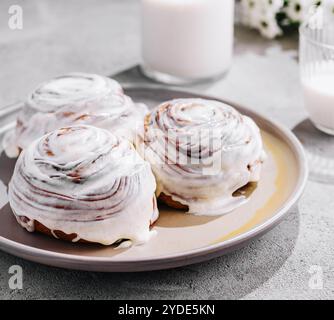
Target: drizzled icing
{"x":201,"y":152}
{"x":75,"y":99}
{"x":83,"y":180}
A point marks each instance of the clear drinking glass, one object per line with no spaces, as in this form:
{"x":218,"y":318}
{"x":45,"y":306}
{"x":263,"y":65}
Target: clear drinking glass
{"x":316,"y":54}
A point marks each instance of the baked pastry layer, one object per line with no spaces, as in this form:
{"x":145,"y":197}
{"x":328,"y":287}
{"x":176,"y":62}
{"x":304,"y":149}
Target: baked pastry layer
{"x":75,"y":99}
{"x":84,"y":181}
{"x":201,"y":152}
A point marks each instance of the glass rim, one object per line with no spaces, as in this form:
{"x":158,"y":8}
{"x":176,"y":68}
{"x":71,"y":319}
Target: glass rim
{"x":303,"y":32}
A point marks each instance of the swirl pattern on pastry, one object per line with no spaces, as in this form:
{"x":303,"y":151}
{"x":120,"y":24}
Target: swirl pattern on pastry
{"x":83,"y":180}
{"x":75,"y":99}
{"x":201,"y":152}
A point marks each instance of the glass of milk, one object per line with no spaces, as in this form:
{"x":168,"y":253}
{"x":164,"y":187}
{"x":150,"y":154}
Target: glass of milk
{"x":317,"y":67}
{"x":186,"y":41}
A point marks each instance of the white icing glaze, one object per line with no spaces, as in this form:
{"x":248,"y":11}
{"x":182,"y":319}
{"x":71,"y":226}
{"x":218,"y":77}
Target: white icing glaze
{"x":75,"y":99}
{"x":212,"y":151}
{"x":83,"y":180}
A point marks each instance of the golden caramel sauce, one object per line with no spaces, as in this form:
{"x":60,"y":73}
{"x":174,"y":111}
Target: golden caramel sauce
{"x":276,"y":149}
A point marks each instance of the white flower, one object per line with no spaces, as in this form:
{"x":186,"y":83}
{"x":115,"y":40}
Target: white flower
{"x":268,"y":26}
{"x":297,"y":10}
{"x":261,"y":15}
{"x":321,"y":16}
{"x":249,"y":12}
{"x":275,"y":5}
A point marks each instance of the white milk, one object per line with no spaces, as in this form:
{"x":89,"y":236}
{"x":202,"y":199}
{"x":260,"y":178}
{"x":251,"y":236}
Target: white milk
{"x":188,"y":39}
{"x":319,"y":98}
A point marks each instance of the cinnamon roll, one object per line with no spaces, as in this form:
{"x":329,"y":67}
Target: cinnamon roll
{"x":75,"y":99}
{"x":82,"y":183}
{"x":202,"y":152}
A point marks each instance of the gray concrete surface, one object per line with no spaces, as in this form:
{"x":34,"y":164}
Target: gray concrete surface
{"x":103,"y":37}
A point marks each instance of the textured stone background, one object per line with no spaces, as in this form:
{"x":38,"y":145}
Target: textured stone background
{"x":103,"y":37}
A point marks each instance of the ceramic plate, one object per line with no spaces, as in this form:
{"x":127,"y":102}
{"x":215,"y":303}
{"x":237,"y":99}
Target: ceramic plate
{"x":182,"y":239}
